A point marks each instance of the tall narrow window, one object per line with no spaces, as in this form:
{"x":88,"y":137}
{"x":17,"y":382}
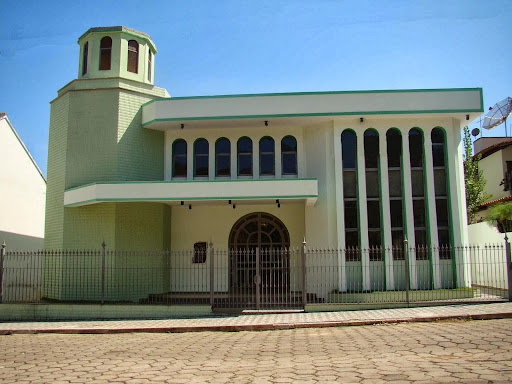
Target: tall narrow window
{"x":394,"y":154}
{"x":179,"y":158}
{"x":416,"y":152}
{"x":267,"y":156}
{"x":133,"y":56}
{"x":84,"y":59}
{"x":105,"y":53}
{"x":441,"y":189}
{"x":150,"y":64}
{"x":201,"y":152}
{"x":350,"y":196}
{"x":244,"y":152}
{"x":289,"y":155}
{"x":223,"y":157}
{"x":371,"y":157}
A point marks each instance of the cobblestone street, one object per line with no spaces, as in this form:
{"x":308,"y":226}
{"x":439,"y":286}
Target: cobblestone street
{"x":447,"y":351}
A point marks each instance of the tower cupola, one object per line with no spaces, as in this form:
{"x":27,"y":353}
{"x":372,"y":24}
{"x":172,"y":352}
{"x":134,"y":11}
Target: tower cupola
{"x":107,"y":52}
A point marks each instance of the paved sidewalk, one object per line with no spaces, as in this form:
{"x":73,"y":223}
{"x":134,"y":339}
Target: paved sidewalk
{"x":261,"y":322}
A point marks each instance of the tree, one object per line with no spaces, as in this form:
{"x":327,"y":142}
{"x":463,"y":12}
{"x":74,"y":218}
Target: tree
{"x":473,"y":178}
{"x":500,"y":215}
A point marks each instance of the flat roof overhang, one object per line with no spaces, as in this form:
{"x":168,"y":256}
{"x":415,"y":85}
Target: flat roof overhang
{"x":308,"y":107}
{"x":202,"y":192}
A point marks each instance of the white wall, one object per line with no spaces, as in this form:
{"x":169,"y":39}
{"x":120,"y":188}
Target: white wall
{"x":22,"y":191}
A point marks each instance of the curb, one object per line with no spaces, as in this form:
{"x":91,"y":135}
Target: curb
{"x":256,"y":327}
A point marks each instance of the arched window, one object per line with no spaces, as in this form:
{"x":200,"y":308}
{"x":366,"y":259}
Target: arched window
{"x":105,"y":53}
{"x":223,"y":157}
{"x":244,"y":153}
{"x":267,"y":156}
{"x":201,"y":152}
{"x":133,"y":56}
{"x":371,"y":157}
{"x":441,"y":189}
{"x":84,"y":59}
{"x":289,"y":155}
{"x":350,"y":196}
{"x":394,"y":155}
{"x":416,"y":153}
{"x":179,"y":158}
{"x":150,"y":64}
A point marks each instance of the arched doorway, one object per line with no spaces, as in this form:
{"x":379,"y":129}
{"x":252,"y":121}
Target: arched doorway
{"x":259,"y":244}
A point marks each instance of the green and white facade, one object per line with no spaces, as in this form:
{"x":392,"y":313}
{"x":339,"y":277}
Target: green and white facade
{"x":135,"y":168}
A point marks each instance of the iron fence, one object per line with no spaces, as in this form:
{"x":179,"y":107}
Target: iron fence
{"x":258,"y":278}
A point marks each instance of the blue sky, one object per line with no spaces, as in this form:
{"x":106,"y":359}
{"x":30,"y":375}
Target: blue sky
{"x":225,"y":47}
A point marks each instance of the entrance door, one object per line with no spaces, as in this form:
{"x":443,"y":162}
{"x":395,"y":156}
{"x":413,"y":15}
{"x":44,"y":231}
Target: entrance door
{"x":260,"y":269}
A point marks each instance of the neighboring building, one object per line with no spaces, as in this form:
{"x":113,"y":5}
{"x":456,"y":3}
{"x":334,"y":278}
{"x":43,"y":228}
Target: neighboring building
{"x":496,"y":165}
{"x":22,"y":192}
{"x":129,"y":165}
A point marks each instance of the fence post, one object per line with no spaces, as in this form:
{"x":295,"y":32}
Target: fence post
{"x":509,"y":267}
{"x":407,"y":273}
{"x":2,"y":259}
{"x":103,"y":245}
{"x":303,"y":262}
{"x":212,"y":274}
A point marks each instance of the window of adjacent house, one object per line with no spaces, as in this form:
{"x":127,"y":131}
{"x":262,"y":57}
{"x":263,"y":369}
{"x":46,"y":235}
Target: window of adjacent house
{"x":394,"y":155}
{"x":179,"y":158}
{"x":350,"y":198}
{"x":133,"y":56}
{"x":223,"y":157}
{"x":289,"y":155}
{"x":201,"y":152}
{"x":267,"y":156}
{"x":416,"y":153}
{"x":105,"y":53}
{"x":150,"y":64}
{"x":244,"y":153}
{"x":85,"y":57}
{"x":371,"y":156}
{"x":441,"y":190}
{"x":199,"y":253}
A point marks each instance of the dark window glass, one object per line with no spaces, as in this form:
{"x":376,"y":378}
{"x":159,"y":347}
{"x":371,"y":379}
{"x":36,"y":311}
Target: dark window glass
{"x":199,"y":253}
{"x":375,"y":241}
{"x":373,"y":214}
{"x":351,"y":217}
{"x":416,"y":147}
{"x":84,"y":62}
{"x":371,"y":148}
{"x":244,"y":151}
{"x":395,"y":183}
{"x":133,"y":56}
{"x":105,"y":53}
{"x":396,"y":213}
{"x":223,"y":157}
{"x":420,"y":237}
{"x":289,"y":155}
{"x":442,"y":212}
{"x":397,"y":240}
{"x":438,"y":147}
{"x":349,"y":149}
{"x":418,"y":207}
{"x":179,"y":158}
{"x":440,"y":182}
{"x":349,"y":183}
{"x":267,"y":156}
{"x":352,"y":245}
{"x":394,"y":148}
{"x":418,"y":188}
{"x":150,"y":64}
{"x":372,"y":184}
{"x":201,"y":152}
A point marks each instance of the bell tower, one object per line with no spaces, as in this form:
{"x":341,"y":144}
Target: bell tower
{"x":116,"y":52}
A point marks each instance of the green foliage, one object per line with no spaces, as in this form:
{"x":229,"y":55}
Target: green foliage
{"x":474,"y":179}
{"x":501,"y":216}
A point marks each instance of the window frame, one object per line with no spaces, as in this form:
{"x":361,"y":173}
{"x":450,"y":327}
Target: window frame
{"x":284,"y":154}
{"x":105,"y":54}
{"x":219,"y":154}
{"x":85,"y":58}
{"x":132,"y":60}
{"x":270,"y":154}
{"x":174,"y":156}
{"x":249,"y":154}
{"x":197,"y":156}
